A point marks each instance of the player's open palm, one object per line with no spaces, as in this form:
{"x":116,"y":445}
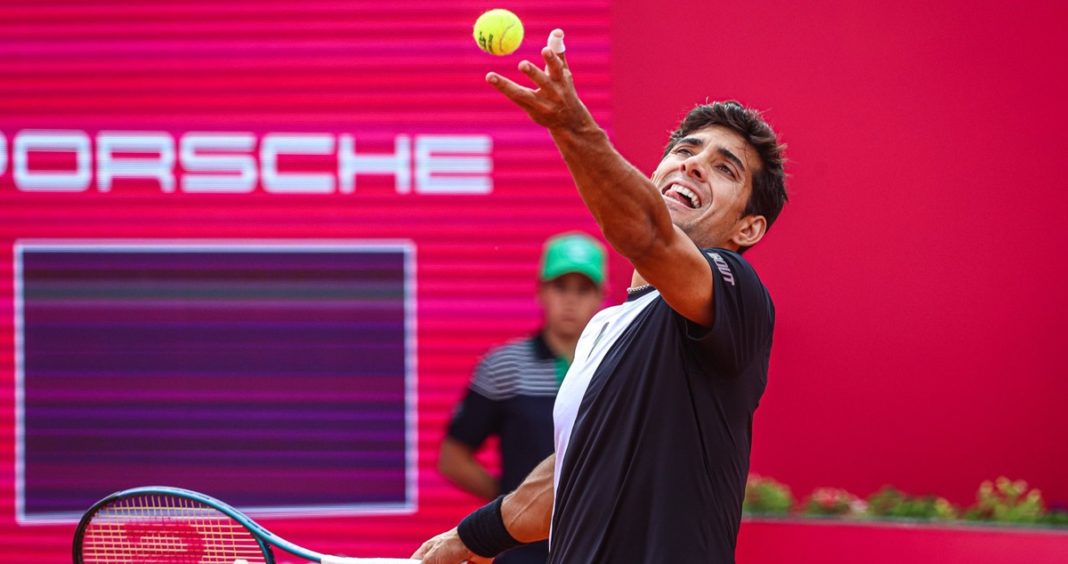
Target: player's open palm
{"x":554,"y":104}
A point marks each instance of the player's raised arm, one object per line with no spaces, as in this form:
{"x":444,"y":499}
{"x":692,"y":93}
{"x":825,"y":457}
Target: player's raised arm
{"x":627,"y":205}
{"x":520,"y":517}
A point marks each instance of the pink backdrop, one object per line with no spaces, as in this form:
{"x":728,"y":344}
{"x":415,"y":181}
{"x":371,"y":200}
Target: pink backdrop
{"x":372,"y":70}
{"x":917,"y":271}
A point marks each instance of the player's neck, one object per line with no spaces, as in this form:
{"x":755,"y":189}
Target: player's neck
{"x":636,"y":281}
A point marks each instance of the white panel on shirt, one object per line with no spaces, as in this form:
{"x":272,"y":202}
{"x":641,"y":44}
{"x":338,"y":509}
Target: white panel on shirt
{"x":596,"y":340}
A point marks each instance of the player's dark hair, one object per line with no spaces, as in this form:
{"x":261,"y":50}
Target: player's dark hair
{"x":769,"y":183}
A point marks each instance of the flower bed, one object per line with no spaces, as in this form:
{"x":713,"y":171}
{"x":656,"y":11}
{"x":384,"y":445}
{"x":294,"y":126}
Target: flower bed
{"x":1001,"y":501}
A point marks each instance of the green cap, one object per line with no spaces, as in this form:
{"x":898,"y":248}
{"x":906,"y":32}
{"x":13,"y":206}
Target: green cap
{"x":573,"y":252}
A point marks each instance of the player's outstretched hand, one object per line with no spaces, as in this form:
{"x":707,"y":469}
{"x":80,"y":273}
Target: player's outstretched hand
{"x":554,"y":104}
{"x":446,"y":548}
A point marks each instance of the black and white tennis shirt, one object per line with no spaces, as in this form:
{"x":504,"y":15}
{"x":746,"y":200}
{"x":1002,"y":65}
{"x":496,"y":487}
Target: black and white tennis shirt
{"x":653,"y":425}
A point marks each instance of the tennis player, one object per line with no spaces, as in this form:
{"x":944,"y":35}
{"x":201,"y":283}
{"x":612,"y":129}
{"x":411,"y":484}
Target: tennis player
{"x":653,"y":422}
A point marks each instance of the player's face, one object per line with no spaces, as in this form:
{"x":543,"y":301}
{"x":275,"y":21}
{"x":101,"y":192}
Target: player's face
{"x":705,"y":181}
{"x":569,"y":302}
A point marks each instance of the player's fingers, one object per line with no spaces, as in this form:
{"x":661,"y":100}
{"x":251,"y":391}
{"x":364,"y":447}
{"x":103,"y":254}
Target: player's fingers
{"x":516,"y":93}
{"x":537,"y":75}
{"x":419,"y":554}
{"x":553,"y":65}
{"x":556,"y":43}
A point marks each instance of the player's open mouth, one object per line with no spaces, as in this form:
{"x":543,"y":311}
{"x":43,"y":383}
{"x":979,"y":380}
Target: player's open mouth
{"x":682,"y":194}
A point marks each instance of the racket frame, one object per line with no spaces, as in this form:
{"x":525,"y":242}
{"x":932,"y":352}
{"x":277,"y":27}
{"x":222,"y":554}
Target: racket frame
{"x":266,"y":539}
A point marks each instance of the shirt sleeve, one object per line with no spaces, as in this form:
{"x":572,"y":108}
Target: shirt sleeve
{"x":478,"y":415}
{"x":743,"y":315}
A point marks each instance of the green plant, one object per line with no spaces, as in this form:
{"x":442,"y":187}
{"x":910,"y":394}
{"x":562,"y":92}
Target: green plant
{"x":1057,"y":518}
{"x":1001,"y":500}
{"x":766,"y":496}
{"x":1007,"y":501}
{"x":890,"y":502}
{"x":834,"y":501}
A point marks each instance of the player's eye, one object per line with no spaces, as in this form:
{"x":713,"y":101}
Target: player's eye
{"x":726,"y":170}
{"x":683,"y":151}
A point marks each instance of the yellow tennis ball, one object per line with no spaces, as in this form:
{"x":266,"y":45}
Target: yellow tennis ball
{"x":498,"y":32}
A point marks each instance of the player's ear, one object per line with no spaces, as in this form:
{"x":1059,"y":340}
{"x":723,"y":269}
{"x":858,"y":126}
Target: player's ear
{"x":749,"y":231}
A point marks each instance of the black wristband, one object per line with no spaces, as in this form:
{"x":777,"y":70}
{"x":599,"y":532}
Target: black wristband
{"x":483,"y":531}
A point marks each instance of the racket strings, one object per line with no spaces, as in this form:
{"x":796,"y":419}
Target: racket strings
{"x":166,"y":529}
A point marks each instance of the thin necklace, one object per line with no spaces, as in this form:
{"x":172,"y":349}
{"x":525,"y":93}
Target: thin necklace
{"x":637,"y":289}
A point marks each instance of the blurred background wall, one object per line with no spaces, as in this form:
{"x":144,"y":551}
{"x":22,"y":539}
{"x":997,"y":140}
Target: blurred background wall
{"x":917,"y":271}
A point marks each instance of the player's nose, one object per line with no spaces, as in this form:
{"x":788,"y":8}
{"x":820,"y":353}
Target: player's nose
{"x":692,"y":167}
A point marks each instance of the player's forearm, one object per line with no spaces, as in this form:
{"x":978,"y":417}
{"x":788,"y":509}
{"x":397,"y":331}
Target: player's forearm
{"x":626,"y":205}
{"x":528,"y":510}
{"x":457,"y":463}
{"x":520,"y":517}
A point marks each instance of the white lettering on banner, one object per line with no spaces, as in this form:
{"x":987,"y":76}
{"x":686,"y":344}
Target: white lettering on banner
{"x":229,"y":162}
{"x":275,"y":144}
{"x":238,"y":172}
{"x":30,"y":141}
{"x":721,"y":266}
{"x":398,"y":164}
{"x":159,"y":166}
{"x":474,"y":167}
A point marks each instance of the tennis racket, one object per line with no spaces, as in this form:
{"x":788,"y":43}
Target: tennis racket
{"x":157,"y":525}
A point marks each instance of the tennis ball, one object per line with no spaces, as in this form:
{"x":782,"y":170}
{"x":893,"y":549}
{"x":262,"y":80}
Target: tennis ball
{"x":498,"y":32}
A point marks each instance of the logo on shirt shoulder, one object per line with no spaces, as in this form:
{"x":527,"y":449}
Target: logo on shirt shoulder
{"x":721,"y":266}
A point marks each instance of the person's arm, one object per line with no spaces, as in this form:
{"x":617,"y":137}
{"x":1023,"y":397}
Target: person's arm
{"x":627,"y":206}
{"x":478,"y":416}
{"x":457,"y":463}
{"x":526,"y":514}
